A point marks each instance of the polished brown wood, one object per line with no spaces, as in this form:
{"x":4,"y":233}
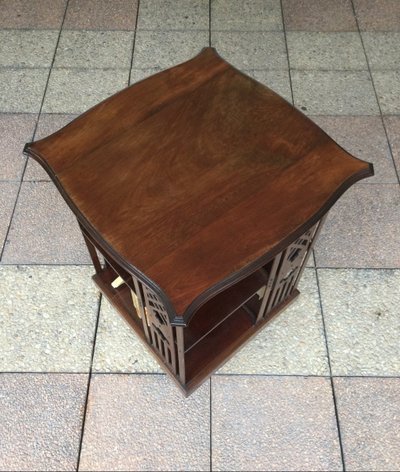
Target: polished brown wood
{"x":199,"y":186}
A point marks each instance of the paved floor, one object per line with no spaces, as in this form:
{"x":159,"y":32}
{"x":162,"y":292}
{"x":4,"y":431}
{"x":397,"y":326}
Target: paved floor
{"x":319,"y":389}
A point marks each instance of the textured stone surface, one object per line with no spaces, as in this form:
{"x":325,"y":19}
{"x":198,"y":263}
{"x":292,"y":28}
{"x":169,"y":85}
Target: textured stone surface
{"x":378,"y":15}
{"x":251,"y":50}
{"x":141,"y":422}
{"x":277,"y":80}
{"x":361,"y":311}
{"x":319,"y":15}
{"x":163,"y":49}
{"x":35,"y":14}
{"x":21,"y":90}
{"x":173,"y":15}
{"x":15,"y":131}
{"x":338,"y":51}
{"x":140,"y":74}
{"x":334,"y":93}
{"x":246,"y":15}
{"x":118,"y":348}
{"x":362,"y":229}
{"x":74,"y":91}
{"x":47,"y":324}
{"x":383,"y":50}
{"x":293,"y":343}
{"x":44,"y":230}
{"x":392,"y":124}
{"x":267,"y":423}
{"x":365,"y":138}
{"x":369,"y":414}
{"x":41,"y":417}
{"x":8,"y":194}
{"x":387,"y":84}
{"x":21,"y":48}
{"x":94,"y":49}
{"x":48,"y":124}
{"x":101,"y":14}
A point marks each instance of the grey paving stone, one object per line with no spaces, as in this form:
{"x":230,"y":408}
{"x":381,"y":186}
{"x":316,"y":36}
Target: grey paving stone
{"x":44,"y":230}
{"x":277,"y":80}
{"x":273,"y":423}
{"x":362,"y":229}
{"x":75,"y":91}
{"x":48,"y":124}
{"x":94,"y":49}
{"x":142,"y":422}
{"x":33,"y":14}
{"x":41,"y":418}
{"x":319,"y":15}
{"x":338,"y":51}
{"x":383,"y":50}
{"x":101,"y":14}
{"x":369,"y":412}
{"x":47,"y":324}
{"x":118,"y":349}
{"x":361,"y":311}
{"x":140,"y":74}
{"x":8,"y":194}
{"x":392,"y":124}
{"x":24,"y":48}
{"x":293,"y":343}
{"x":387,"y":84}
{"x":378,"y":15}
{"x":251,"y":50}
{"x":171,"y":15}
{"x":334,"y":93}
{"x":246,"y":15}
{"x":365,"y":138}
{"x":21,"y":90}
{"x":163,"y":49}
{"x":15,"y":131}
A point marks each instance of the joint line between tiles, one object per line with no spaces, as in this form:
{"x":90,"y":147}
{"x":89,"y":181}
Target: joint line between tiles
{"x":287,"y":52}
{"x":209,"y":23}
{"x":134,"y":42}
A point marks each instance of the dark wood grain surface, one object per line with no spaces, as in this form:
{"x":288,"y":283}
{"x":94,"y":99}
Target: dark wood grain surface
{"x":196,"y":173}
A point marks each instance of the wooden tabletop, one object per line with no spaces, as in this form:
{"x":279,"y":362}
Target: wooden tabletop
{"x":196,"y":175}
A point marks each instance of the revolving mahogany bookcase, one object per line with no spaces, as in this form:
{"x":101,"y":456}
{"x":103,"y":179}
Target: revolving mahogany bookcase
{"x":199,"y":193}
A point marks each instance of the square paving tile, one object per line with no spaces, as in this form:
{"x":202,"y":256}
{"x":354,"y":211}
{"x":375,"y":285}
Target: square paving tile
{"x":293,"y":343}
{"x":362,"y":229}
{"x":8,"y":194}
{"x":319,"y":15}
{"x":41,"y":418}
{"x":246,"y":15}
{"x":24,"y":48}
{"x":334,"y":93}
{"x":277,"y":80}
{"x":378,"y":15}
{"x":94,"y":49}
{"x":387,"y":84}
{"x":44,"y":230}
{"x":48,"y":124}
{"x":369,"y":415}
{"x":101,"y":14}
{"x":118,"y":348}
{"x":392,"y":124}
{"x":173,"y":15}
{"x":383,"y":50}
{"x":163,"y":49}
{"x":365,"y":138}
{"x":75,"y":91}
{"x":38,"y":14}
{"x":142,"y":422}
{"x":273,"y":423}
{"x":339,"y":51}
{"x":15,"y":131}
{"x":48,"y":323}
{"x":361,"y":311}
{"x":251,"y":50}
{"x":21,"y":90}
